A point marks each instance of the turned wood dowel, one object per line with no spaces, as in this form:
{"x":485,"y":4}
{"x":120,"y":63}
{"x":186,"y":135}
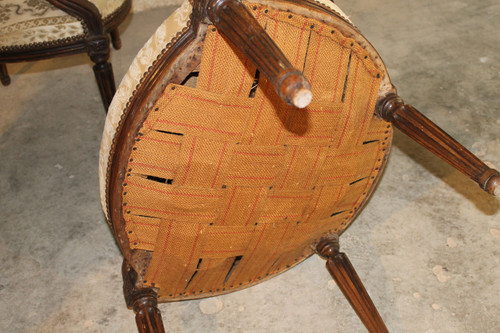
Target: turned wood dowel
{"x":235,"y":22}
{"x":414,"y":124}
{"x":148,"y":316}
{"x":350,"y":284}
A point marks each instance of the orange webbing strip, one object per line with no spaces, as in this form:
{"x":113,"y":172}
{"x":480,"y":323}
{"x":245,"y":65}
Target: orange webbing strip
{"x":152,"y":198}
{"x":258,"y":258}
{"x":177,"y":251}
{"x":161,"y":165}
{"x":241,"y":206}
{"x":209,"y":276}
{"x":223,"y":64}
{"x":223,"y":242}
{"x":142,"y":231}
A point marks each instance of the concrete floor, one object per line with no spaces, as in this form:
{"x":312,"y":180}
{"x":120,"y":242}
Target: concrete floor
{"x":427,"y":246}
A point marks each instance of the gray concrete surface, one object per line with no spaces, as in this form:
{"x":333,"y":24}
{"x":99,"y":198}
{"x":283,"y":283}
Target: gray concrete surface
{"x":427,"y":246}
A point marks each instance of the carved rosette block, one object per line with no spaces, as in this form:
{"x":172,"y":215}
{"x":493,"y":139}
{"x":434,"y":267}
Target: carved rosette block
{"x":98,"y":48}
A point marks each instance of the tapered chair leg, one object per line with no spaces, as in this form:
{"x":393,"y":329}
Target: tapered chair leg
{"x":421,"y":129}
{"x":147,"y":315}
{"x":106,"y":82}
{"x":350,"y":284}
{"x":4,"y":75}
{"x":143,"y":301}
{"x":115,"y":39}
{"x":98,"y":51}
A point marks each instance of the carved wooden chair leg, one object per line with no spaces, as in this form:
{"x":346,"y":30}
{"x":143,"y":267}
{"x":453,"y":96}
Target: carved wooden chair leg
{"x":147,"y":315}
{"x":350,"y":284}
{"x":421,"y":129}
{"x":105,"y":80}
{"x":115,"y":39}
{"x":143,"y":301}
{"x":4,"y":75}
{"x":98,"y":50}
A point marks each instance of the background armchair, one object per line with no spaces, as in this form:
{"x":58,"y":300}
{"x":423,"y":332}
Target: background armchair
{"x":38,"y":29}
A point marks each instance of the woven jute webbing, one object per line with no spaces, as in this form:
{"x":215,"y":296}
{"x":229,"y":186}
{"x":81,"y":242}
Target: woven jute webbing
{"x":227,"y":185}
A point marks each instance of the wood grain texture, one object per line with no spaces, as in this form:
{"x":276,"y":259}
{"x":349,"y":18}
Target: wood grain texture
{"x":143,"y":301}
{"x":350,"y":284}
{"x":235,"y":22}
{"x":148,"y":316}
{"x":420,"y":128}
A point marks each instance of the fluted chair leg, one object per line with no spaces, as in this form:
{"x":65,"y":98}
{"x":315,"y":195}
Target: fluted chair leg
{"x":421,"y":129}
{"x":143,"y":301}
{"x":350,"y":284}
{"x":4,"y":75}
{"x":98,"y":50}
{"x":106,"y":82}
{"x":147,"y":315}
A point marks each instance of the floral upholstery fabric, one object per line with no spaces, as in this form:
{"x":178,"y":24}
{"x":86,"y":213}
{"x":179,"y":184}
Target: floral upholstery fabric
{"x":25,"y":22}
{"x":107,"y":7}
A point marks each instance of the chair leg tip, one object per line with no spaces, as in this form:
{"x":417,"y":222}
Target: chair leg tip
{"x":115,"y":39}
{"x":117,"y":45}
{"x":5,"y":80}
